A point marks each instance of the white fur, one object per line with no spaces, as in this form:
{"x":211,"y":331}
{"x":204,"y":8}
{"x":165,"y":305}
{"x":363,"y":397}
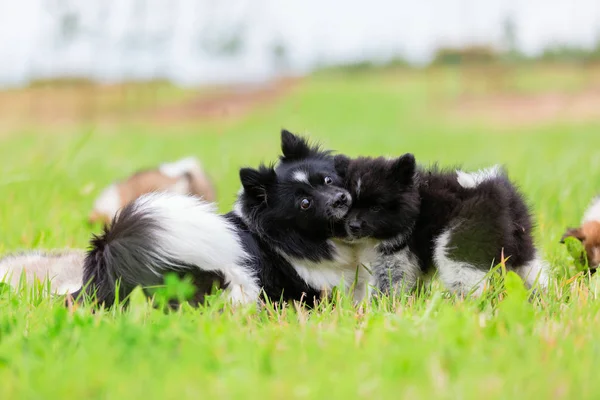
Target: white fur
{"x":300,"y":176}
{"x":178,"y":168}
{"x":358,"y":187}
{"x":471,"y":180}
{"x":109,"y":201}
{"x":593,"y":211}
{"x":536,"y":270}
{"x":459,"y":277}
{"x":193,"y":232}
{"x":182,"y":186}
{"x":63,"y":269}
{"x":349,"y":263}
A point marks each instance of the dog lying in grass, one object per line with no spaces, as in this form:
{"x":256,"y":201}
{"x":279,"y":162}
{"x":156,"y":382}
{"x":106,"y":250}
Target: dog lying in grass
{"x":589,"y":234}
{"x":64,"y":269}
{"x":184,"y":176}
{"x":277,"y":243}
{"x":455,"y":223}
{"x":312,"y":222}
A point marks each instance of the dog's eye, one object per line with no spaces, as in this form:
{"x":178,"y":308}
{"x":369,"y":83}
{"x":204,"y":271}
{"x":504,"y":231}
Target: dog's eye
{"x":328,"y":180}
{"x":305,"y":204}
{"x":375,"y":208}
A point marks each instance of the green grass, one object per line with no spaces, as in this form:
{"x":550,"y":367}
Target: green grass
{"x":501,"y":346}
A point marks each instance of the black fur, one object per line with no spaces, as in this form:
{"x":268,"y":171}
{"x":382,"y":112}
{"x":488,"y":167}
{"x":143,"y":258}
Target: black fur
{"x":121,"y":257}
{"x":278,"y":217}
{"x":271,"y":200}
{"x":406,"y":208}
{"x":386,"y":200}
{"x":278,"y":278}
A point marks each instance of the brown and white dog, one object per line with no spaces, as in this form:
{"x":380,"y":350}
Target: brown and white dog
{"x":184,"y":176}
{"x":64,"y":269}
{"x":589,"y":234}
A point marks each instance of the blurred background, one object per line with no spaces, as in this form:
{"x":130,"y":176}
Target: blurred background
{"x":67,"y":61}
{"x":92,"y":91}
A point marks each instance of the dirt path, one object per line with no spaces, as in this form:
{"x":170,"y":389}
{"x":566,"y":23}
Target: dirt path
{"x":529,"y":109}
{"x":225,"y":103}
{"x":59,"y":107}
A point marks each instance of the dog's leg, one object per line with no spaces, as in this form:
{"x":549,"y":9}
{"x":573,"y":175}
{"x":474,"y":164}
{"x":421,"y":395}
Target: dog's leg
{"x":397,"y":273}
{"x":535,"y":271}
{"x":459,"y":276}
{"x":242,"y":287}
{"x":361,"y":290}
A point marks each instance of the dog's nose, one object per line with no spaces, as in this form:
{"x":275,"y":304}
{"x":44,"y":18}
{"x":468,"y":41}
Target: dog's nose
{"x":340,"y":200}
{"x":354,"y":227}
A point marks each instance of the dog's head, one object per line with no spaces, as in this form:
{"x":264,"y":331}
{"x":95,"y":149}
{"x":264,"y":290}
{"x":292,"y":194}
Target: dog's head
{"x":589,"y":235}
{"x":300,"y":199}
{"x":385,"y":198}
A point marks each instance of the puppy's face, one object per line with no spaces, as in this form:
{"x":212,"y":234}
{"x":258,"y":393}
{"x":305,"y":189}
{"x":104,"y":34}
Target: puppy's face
{"x":304,"y":193}
{"x":589,"y":235}
{"x":385,"y":199}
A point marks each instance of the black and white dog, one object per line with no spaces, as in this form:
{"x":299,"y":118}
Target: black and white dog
{"x":278,"y":241}
{"x":457,"y":223}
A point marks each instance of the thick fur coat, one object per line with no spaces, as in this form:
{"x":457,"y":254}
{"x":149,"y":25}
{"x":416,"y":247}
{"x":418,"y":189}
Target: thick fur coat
{"x":455,"y":223}
{"x":278,"y":242}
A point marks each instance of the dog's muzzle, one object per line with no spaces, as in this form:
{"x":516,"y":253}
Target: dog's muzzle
{"x":340,"y":204}
{"x":354,"y":228}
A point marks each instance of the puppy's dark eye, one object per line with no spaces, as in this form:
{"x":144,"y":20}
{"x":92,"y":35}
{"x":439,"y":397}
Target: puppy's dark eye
{"x":328,"y":180}
{"x":305,"y":204}
{"x":375,"y":208}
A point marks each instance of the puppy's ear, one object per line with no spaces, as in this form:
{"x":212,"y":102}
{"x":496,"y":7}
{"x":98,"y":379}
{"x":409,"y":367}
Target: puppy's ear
{"x":293,"y":147}
{"x":577,"y":233}
{"x":341,"y":163}
{"x":256,"y":182}
{"x":403,"y":169}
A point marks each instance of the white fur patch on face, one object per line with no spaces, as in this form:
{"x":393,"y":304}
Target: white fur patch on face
{"x":593,"y":211}
{"x":180,"y":167}
{"x":459,"y":277}
{"x":471,"y":180}
{"x":300,"y":176}
{"x":109,"y":201}
{"x":358,"y":185}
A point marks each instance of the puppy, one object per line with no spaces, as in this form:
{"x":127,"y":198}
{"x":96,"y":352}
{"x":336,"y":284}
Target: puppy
{"x":62,"y":268}
{"x":184,"y":176}
{"x":589,"y":234}
{"x":457,"y":223}
{"x":277,"y":241}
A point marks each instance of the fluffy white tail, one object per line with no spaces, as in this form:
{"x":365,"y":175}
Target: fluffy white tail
{"x":168,"y":232}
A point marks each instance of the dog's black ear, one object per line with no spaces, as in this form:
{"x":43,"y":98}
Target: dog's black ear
{"x":403,"y":169}
{"x":577,"y":233}
{"x":293,"y":146}
{"x":256,"y":182}
{"x":341,"y":163}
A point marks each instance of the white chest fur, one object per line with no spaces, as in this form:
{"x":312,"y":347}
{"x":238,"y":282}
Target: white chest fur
{"x":349,"y":267}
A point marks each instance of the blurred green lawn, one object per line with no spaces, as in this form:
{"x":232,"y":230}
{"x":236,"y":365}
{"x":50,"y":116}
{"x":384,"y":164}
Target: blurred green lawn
{"x":432,"y":347}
